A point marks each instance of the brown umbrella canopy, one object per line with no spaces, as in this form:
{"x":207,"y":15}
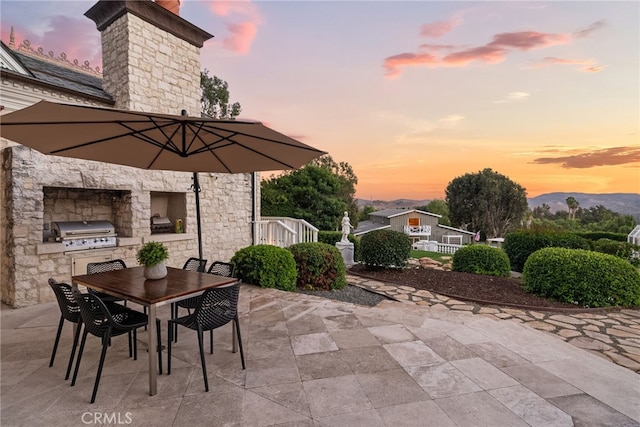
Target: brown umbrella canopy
{"x":154,"y":141}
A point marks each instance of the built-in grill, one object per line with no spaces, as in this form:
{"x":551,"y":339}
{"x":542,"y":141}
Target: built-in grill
{"x":84,"y":235}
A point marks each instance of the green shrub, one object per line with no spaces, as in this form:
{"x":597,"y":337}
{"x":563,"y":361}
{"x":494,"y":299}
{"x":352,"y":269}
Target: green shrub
{"x":597,"y":235}
{"x":320,"y":266}
{"x":581,"y":277}
{"x":267,"y":266}
{"x":622,"y":250}
{"x":481,"y":259}
{"x":333,"y":237}
{"x":385,"y":249}
{"x":518,"y":245}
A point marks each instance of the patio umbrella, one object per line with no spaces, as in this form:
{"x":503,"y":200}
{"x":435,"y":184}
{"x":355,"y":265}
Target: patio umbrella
{"x":155,"y":141}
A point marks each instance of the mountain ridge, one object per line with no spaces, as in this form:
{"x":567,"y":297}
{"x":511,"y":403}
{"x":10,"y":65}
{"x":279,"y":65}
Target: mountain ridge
{"x":623,"y":203}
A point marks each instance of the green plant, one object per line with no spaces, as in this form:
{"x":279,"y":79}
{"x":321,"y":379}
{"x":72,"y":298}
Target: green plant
{"x":622,"y":250}
{"x":266,"y":266}
{"x":385,"y":249}
{"x":582,"y":277}
{"x":437,"y":256}
{"x":152,"y":253}
{"x":481,"y":259}
{"x":333,"y":237}
{"x":520,"y":244}
{"x":320,"y":266}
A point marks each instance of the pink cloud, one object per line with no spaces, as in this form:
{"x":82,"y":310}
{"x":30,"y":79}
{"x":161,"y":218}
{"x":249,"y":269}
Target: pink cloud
{"x":393,"y":63}
{"x":491,"y":53}
{"x":588,"y":159}
{"x":587,"y":65}
{"x":240,"y":37}
{"x":242,"y":19}
{"x":439,"y":29}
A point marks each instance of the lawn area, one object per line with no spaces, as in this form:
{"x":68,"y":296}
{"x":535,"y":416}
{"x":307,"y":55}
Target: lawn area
{"x":433,"y":255}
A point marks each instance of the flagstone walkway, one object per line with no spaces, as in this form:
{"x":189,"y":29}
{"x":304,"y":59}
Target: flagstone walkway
{"x":612,"y":335}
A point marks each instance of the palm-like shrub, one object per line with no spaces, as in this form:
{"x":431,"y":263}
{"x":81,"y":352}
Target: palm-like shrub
{"x":266,"y":266}
{"x":385,"y":249}
{"x":581,"y":277}
{"x":481,"y":259}
{"x":320,"y":266}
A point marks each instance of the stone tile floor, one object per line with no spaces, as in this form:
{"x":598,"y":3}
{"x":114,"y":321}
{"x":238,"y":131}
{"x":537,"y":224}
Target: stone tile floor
{"x":613,"y":334}
{"x":318,"y":362}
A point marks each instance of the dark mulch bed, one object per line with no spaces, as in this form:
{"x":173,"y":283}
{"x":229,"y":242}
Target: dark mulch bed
{"x":472,"y":287}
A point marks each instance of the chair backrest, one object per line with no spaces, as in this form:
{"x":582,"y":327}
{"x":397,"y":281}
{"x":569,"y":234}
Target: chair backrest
{"x":95,"y":314}
{"x":195,"y":264}
{"x":101,"y":267}
{"x":217,"y":306}
{"x":67,"y":303}
{"x":220,"y":268}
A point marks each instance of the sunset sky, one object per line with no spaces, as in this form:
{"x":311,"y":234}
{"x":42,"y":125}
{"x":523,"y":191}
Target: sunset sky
{"x":414,"y":94}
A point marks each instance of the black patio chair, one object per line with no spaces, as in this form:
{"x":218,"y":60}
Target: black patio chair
{"x":215,"y":308}
{"x":192,"y":264}
{"x":218,"y":268}
{"x":102,"y":323}
{"x":101,"y":267}
{"x":70,"y":311}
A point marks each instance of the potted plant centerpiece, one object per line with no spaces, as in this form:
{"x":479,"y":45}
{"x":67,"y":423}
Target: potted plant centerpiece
{"x":153,"y":256}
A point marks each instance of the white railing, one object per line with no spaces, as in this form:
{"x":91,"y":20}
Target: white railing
{"x":434,"y":246}
{"x":283,"y":231}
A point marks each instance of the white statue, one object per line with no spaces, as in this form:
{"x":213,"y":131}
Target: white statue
{"x":346,"y":227}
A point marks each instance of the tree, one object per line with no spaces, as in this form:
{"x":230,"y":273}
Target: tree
{"x":572,"y":204}
{"x":319,"y":192}
{"x":214,"y":100}
{"x":486,"y":201}
{"x":542,"y":212}
{"x":438,"y":206}
{"x":364,"y":214}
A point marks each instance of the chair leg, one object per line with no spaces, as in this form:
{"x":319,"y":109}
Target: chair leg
{"x":211,"y":340}
{"x":135,"y":345}
{"x":73,"y":348}
{"x":100,"y":365}
{"x":237,"y":323}
{"x":55,"y":344}
{"x":202,"y":361}
{"x":75,"y":371}
{"x":170,"y":338}
{"x":159,"y":345}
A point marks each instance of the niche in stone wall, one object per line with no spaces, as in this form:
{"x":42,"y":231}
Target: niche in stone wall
{"x":82,"y":204}
{"x":168,"y":212}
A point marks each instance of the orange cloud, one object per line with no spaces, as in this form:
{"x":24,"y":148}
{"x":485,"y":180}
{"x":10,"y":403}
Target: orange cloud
{"x":491,"y":53}
{"x":605,"y":157}
{"x":393,"y":63}
{"x":242,"y":19}
{"x":587,"y":65}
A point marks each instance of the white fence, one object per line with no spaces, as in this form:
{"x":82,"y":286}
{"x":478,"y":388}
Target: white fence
{"x":434,"y":246}
{"x":283,"y":231}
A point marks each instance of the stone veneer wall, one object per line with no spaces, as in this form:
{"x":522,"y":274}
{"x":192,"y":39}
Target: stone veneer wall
{"x":145,"y":68}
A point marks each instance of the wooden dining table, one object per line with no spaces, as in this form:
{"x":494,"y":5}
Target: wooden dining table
{"x":131,"y":285}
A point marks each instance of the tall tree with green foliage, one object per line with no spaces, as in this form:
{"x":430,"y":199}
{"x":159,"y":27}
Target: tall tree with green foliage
{"x":438,"y":206}
{"x":214,"y":100}
{"x":486,"y":201}
{"x":319,"y":192}
{"x":572,"y":204}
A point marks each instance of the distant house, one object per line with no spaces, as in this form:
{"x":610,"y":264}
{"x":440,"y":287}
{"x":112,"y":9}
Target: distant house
{"x":417,"y":224}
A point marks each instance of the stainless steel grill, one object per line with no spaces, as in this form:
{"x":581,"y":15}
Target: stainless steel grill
{"x":83,"y":235}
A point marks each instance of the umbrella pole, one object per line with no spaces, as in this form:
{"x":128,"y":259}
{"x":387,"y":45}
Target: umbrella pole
{"x":196,"y":189}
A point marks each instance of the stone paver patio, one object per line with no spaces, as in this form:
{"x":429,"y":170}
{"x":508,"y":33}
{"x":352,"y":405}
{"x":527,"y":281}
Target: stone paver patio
{"x":318,"y":362}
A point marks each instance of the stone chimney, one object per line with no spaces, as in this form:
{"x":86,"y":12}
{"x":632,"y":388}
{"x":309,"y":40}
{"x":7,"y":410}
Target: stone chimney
{"x":150,"y":56}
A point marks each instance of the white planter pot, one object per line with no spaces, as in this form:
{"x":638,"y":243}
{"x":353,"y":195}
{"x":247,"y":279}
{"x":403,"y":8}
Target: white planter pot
{"x":156,"y":272}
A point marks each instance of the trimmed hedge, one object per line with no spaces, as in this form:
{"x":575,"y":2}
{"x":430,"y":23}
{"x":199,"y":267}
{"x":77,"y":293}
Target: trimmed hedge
{"x":518,"y":245}
{"x":266,"y":266}
{"x":622,"y":250}
{"x":597,"y":235}
{"x":481,"y":259}
{"x":320,"y":266}
{"x":333,"y":237}
{"x":385,"y":249}
{"x":582,"y":277}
